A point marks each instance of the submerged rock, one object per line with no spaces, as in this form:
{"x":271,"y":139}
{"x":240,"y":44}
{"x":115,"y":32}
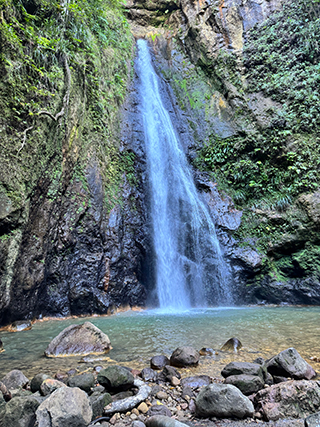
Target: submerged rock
{"x":296,"y":399}
{"x":289,"y":363}
{"x":184,"y":356}
{"x":223,"y":401}
{"x":79,"y":340}
{"x":65,"y":407}
{"x":205,"y":351}
{"x":233,"y":344}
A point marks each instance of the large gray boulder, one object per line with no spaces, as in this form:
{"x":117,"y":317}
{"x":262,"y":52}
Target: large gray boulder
{"x":20,"y":412}
{"x":289,"y":363}
{"x":295,"y":399}
{"x":223,"y":401}
{"x":184,"y":356}
{"x":247,"y":384}
{"x":115,"y":378}
{"x":79,"y":340}
{"x":15,"y":379}
{"x":65,"y":407}
{"x":244,"y":368}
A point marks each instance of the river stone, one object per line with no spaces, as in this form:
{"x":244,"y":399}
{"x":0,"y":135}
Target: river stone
{"x":289,"y":363}
{"x":244,"y":368}
{"x":20,"y":412}
{"x":167,"y":373}
{"x":206,"y":351}
{"x":15,"y":379}
{"x":296,"y":399}
{"x":37,"y":380}
{"x":98,"y":401}
{"x":247,"y":384}
{"x":21,"y":325}
{"x":184,"y":356}
{"x":49,"y":385}
{"x":223,"y":401}
{"x":233,"y":344}
{"x":84,"y":381}
{"x":65,"y":407}
{"x":196,"y":381}
{"x":159,"y":410}
{"x":148,"y":374}
{"x":79,"y":340}
{"x":115,"y":378}
{"x":163,"y":421}
{"x":312,"y":420}
{"x":158,"y":362}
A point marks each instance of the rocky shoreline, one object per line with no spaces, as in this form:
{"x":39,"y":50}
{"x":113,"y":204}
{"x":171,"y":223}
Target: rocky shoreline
{"x":280,"y":391}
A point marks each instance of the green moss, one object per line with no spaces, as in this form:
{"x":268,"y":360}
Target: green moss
{"x":308,"y":259}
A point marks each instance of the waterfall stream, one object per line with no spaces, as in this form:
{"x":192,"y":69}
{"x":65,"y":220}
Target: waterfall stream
{"x":190,"y":269}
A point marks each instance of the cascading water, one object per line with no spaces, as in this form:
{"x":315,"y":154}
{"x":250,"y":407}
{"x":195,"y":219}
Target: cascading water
{"x":189,"y":263}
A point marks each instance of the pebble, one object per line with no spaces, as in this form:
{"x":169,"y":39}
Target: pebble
{"x":161,"y":395}
{"x":135,"y":411}
{"x":175,"y":381}
{"x":143,"y":407}
{"x":133,"y":416}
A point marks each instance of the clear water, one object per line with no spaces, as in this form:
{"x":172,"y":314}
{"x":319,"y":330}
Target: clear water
{"x":190,"y":269}
{"x":137,"y":336}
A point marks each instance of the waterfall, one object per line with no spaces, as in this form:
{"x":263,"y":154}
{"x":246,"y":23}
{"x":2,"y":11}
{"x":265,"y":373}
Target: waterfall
{"x":189,"y":263}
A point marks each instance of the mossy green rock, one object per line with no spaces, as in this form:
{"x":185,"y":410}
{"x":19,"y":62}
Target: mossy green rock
{"x":115,"y":378}
{"x":20,"y":411}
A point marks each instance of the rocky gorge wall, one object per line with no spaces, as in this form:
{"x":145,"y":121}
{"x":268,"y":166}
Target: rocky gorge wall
{"x":74,"y":225}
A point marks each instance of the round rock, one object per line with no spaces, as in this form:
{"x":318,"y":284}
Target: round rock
{"x":15,"y":379}
{"x":79,"y":340}
{"x":223,"y":401}
{"x":84,"y":381}
{"x":247,"y":384}
{"x":184,"y":356}
{"x":115,"y":378}
{"x":37,"y":380}
{"x":159,"y":362}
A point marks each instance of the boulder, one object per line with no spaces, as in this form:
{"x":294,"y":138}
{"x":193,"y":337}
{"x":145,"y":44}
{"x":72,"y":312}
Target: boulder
{"x":196,"y":381}
{"x":184,"y":356}
{"x":115,"y":378}
{"x":65,"y":407}
{"x":79,"y":340}
{"x":37,"y":380}
{"x":289,"y":363}
{"x":20,"y":412}
{"x":296,"y":399}
{"x":223,"y":401}
{"x":98,"y":402}
{"x":158,"y":362}
{"x":159,"y":410}
{"x":244,"y":368}
{"x":15,"y":379}
{"x":163,"y":421}
{"x":167,"y":373}
{"x":247,"y":384}
{"x":49,"y":385}
{"x":312,"y":420}
{"x":233,"y":344}
{"x":148,"y":374}
{"x":84,"y":381}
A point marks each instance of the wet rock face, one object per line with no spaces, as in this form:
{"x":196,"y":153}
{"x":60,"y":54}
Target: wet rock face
{"x":75,"y":257}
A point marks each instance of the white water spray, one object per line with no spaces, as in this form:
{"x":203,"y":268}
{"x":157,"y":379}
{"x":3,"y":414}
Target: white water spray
{"x":189,"y":264}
